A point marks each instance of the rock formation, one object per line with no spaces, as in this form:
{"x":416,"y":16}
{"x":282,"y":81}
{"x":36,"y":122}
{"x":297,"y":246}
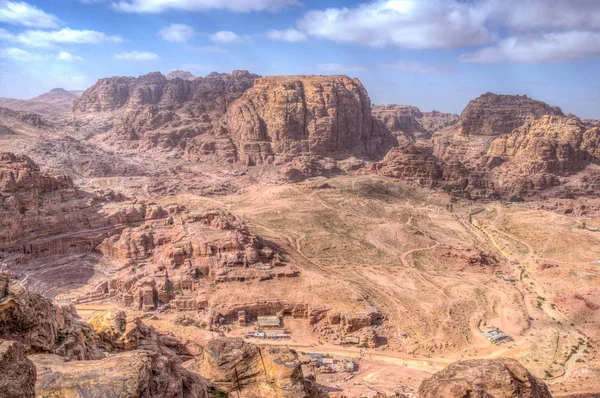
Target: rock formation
{"x":482,"y":378}
{"x":235,"y":367}
{"x":503,"y":146}
{"x":285,"y":116}
{"x":17,"y":378}
{"x":147,"y":365}
{"x":42,"y":327}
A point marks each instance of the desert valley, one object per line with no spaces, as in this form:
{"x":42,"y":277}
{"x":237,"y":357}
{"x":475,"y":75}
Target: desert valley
{"x":281,"y":236}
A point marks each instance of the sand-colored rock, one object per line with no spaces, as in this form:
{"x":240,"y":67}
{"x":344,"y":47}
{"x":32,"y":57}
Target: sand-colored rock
{"x":483,"y":378}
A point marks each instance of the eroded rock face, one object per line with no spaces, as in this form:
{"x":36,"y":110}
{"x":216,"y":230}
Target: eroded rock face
{"x":17,"y":378}
{"x":285,"y":116}
{"x":233,"y":366}
{"x":483,"y":378}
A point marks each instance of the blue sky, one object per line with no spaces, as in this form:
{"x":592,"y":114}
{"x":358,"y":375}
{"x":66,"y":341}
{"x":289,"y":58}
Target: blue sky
{"x":435,"y":54}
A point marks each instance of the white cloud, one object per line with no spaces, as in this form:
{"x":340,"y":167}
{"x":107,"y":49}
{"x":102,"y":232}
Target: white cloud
{"x":22,"y":13}
{"x":67,"y":56}
{"x":225,"y":37}
{"x":548,"y":47}
{"x":137,"y":56}
{"x":413,"y":24}
{"x":158,"y":6}
{"x":526,"y":15}
{"x":17,"y":54}
{"x":20,"y":55}
{"x":41,"y":38}
{"x":176,"y":32}
{"x":290,"y":35}
{"x":337,"y":68}
{"x":408,"y":66}
{"x":6,"y":35}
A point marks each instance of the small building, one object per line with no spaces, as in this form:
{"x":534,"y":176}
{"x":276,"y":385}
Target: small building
{"x":269,"y":321}
{"x":497,"y":336}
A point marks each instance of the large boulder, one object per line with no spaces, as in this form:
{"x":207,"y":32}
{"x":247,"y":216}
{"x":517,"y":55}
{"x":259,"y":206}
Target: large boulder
{"x":135,"y":374}
{"x":17,"y":373}
{"x":43,"y":327}
{"x":233,"y":366}
{"x":484,"y":378}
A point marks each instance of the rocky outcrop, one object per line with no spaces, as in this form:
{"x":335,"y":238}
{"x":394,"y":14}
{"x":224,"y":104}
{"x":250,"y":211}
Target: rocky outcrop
{"x":43,"y":327}
{"x":481,"y":378}
{"x":235,"y":367}
{"x":17,"y":378}
{"x":172,"y":257}
{"x":285,"y":116}
{"x":139,"y":374}
{"x":147,"y":364}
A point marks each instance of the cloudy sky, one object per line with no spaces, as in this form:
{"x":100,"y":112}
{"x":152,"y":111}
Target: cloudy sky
{"x":435,"y":54}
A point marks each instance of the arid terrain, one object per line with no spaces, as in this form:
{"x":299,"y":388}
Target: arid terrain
{"x":158,"y":223}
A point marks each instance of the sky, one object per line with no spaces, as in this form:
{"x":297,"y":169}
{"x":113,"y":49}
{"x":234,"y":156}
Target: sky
{"x":434,"y":54}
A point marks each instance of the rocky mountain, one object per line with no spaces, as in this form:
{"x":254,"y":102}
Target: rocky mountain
{"x":240,"y":117}
{"x":55,"y":101}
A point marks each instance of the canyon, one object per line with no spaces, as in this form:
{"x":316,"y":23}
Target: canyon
{"x":153,"y":225}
